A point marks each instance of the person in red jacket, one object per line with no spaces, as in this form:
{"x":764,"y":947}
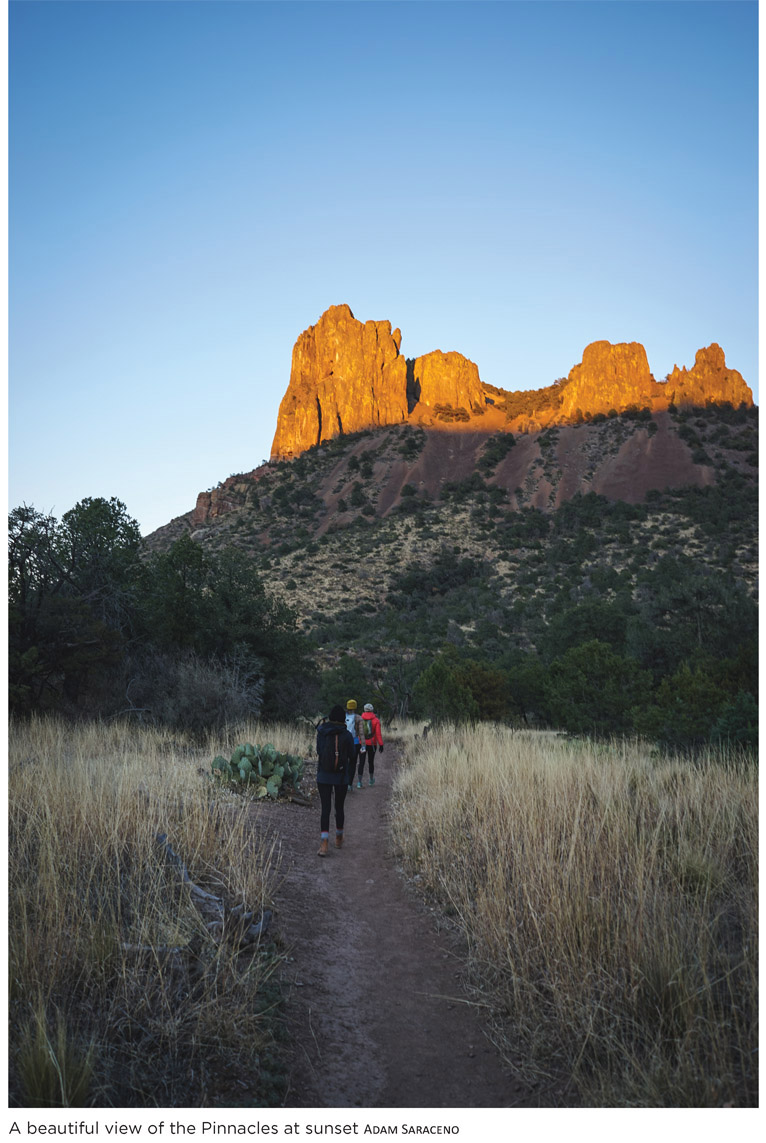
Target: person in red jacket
{"x":373,"y":740}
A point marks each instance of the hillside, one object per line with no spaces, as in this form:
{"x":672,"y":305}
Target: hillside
{"x":621,"y":458}
{"x":392,"y":544}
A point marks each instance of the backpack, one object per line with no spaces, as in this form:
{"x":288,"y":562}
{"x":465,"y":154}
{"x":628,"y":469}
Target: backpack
{"x":369,"y":730}
{"x":330,"y":758}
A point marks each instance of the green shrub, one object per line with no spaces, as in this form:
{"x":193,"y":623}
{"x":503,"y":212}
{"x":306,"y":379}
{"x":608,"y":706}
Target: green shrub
{"x":737,"y":722}
{"x":496,"y":448}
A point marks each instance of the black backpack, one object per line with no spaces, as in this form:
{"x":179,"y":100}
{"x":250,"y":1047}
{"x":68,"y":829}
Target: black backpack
{"x":330,"y":757}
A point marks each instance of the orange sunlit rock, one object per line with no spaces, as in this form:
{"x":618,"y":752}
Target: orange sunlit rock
{"x":349,"y":375}
{"x":346,"y":375}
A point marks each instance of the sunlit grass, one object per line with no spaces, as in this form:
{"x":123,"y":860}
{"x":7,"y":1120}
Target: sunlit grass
{"x":608,"y":898}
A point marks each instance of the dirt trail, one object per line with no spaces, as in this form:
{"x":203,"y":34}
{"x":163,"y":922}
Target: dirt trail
{"x":376,"y":1012}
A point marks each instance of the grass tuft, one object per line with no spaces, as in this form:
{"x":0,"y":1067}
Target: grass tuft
{"x":54,"y":1071}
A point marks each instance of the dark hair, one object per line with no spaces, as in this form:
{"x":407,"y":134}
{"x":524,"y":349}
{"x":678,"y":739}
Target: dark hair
{"x":337,"y":715}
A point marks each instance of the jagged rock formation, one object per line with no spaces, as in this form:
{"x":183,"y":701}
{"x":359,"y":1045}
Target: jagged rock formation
{"x":348,"y":375}
{"x":612,"y":378}
{"x":708,"y":379}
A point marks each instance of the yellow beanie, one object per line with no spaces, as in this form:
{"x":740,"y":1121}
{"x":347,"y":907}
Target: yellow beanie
{"x":351,"y":704}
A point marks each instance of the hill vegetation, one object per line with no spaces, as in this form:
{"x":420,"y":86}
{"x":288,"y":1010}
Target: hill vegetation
{"x":407,"y":570}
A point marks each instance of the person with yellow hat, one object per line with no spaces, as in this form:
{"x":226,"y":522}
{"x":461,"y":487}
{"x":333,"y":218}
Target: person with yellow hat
{"x":355,"y":726}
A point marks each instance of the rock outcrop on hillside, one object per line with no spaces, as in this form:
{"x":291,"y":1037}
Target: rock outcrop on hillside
{"x":708,"y":380}
{"x":447,"y":381}
{"x":349,"y":375}
{"x":614,"y":377}
{"x":230,"y":495}
{"x":346,"y":375}
{"x":607,"y":374}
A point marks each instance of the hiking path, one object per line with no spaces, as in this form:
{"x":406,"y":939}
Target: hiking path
{"x":376,"y":1013}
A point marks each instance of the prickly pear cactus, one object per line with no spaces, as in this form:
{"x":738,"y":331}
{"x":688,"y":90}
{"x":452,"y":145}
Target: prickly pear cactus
{"x":262,"y":770}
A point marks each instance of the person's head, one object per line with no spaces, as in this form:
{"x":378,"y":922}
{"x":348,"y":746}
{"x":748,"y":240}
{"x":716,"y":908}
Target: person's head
{"x":336,"y":714}
{"x":368,"y":706}
{"x":351,"y":704}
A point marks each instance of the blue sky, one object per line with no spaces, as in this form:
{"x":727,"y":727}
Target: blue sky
{"x":192,"y":184}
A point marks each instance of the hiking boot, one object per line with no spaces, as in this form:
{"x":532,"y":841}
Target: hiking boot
{"x":323,"y":846}
{"x":359,"y":785}
{"x":339,"y":841}
{"x":372,"y":781}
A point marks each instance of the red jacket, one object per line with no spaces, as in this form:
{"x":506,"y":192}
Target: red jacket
{"x":373,"y":736}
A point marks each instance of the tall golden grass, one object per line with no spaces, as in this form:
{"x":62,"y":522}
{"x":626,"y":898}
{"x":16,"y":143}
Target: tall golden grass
{"x":102,"y":1011}
{"x":608,"y":897}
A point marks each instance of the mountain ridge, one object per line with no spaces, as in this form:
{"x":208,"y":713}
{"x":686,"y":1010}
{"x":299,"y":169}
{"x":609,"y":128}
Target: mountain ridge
{"x":348,"y":380}
{"x":395,"y":547}
{"x":348,"y":376}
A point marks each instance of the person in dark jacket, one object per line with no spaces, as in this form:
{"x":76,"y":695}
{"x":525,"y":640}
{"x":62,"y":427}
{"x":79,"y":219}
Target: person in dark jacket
{"x":335,"y":747}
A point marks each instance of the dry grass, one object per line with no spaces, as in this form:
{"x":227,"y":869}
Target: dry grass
{"x":609,"y":902}
{"x":102,"y":1010}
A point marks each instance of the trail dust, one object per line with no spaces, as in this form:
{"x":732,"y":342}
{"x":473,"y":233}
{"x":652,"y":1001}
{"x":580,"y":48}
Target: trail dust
{"x":376,"y":1013}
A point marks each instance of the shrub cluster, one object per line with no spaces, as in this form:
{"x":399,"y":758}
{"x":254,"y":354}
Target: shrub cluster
{"x":449,"y":414}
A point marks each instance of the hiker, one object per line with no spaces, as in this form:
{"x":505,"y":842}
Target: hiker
{"x":335,"y":747}
{"x":355,"y":726}
{"x":373,"y":739}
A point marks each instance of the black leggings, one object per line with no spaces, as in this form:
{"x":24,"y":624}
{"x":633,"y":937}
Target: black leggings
{"x":357,"y":756}
{"x":370,"y":756}
{"x":325,"y":797}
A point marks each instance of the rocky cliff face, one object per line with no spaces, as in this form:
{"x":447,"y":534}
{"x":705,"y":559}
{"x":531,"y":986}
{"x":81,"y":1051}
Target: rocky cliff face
{"x":708,"y":379}
{"x":346,"y":375}
{"x":447,"y":381}
{"x":349,"y":375}
{"x":607,"y":374}
{"x":614,"y":377}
